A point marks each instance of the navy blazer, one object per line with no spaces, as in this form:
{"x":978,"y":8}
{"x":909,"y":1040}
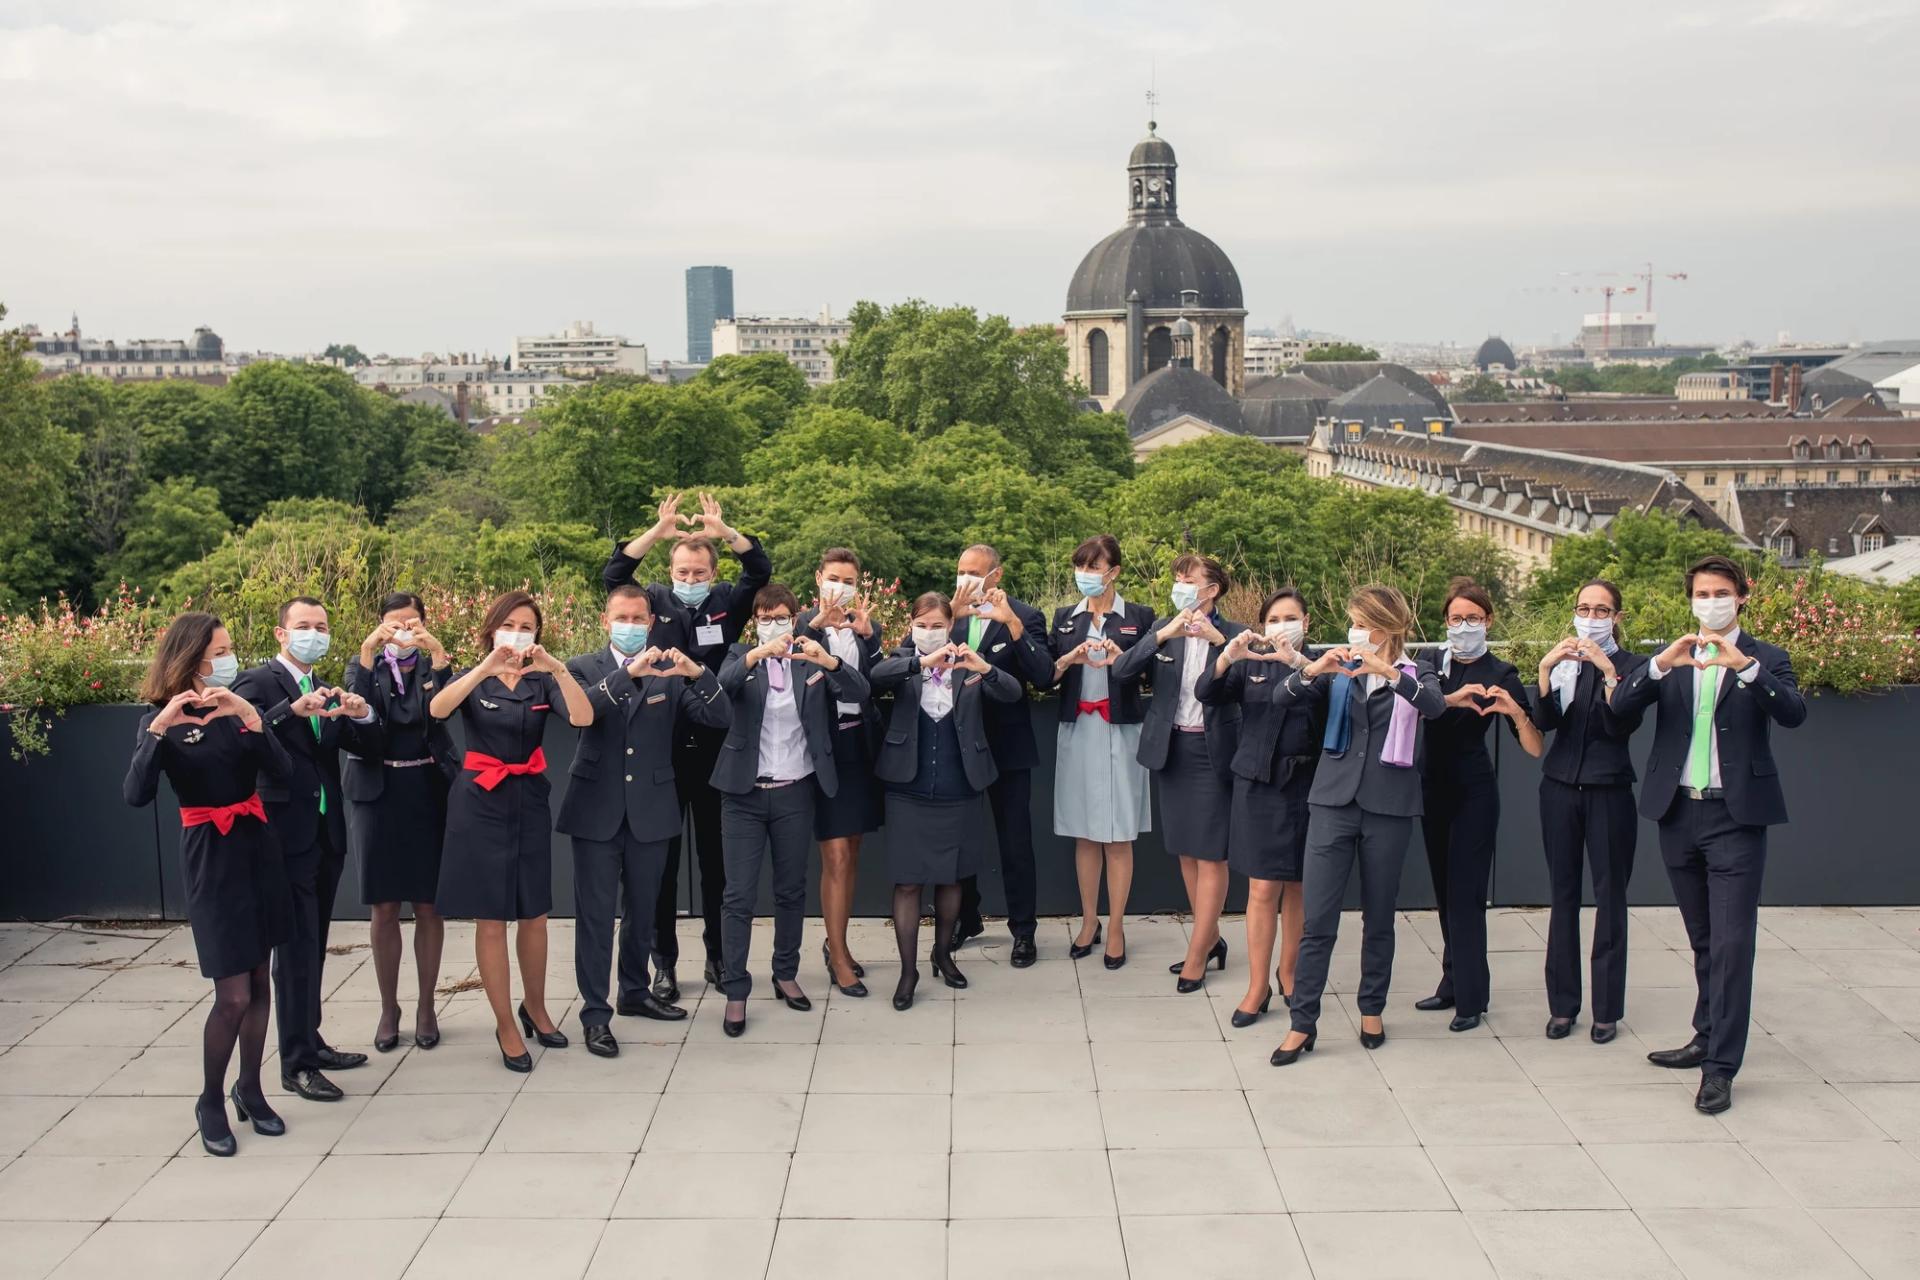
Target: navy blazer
{"x":1126,"y":627}
{"x":1590,"y":736}
{"x":1030,"y":663}
{"x":869,"y":658}
{"x":623,"y":768}
{"x":901,"y":675}
{"x":1743,"y":717}
{"x":293,"y":800}
{"x":1160,"y":665}
{"x":364,"y":776}
{"x":728,"y":605}
{"x":1276,"y":739}
{"x":1356,"y":776}
{"x":816,"y":689}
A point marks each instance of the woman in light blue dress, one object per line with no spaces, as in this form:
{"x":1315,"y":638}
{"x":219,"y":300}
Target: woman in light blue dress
{"x":1100,"y":795}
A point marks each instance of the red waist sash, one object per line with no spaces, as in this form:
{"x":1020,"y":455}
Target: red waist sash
{"x":491,"y":770}
{"x":222,"y":815}
{"x":1102,"y":708}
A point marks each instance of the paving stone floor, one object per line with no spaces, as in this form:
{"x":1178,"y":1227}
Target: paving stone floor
{"x":1061,"y":1121}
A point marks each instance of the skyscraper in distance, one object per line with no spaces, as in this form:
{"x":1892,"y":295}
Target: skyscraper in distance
{"x":709,"y":298}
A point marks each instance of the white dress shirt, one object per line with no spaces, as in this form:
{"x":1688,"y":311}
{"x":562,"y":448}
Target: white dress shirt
{"x":843,"y":644}
{"x":1748,"y":676}
{"x":1188,"y":713}
{"x":937,"y":699}
{"x":784,"y":755}
{"x":299,"y":675}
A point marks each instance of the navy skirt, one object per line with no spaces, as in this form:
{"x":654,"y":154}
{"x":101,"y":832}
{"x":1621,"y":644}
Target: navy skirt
{"x":855,"y":809}
{"x":1268,"y":840}
{"x":932,"y":841}
{"x":1195,"y":801}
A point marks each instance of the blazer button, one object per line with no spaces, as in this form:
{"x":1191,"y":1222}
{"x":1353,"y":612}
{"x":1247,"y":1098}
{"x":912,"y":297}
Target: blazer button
{"x":629,"y":777}
{"x":629,"y":750}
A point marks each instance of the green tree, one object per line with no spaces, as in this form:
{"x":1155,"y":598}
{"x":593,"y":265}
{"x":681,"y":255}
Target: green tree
{"x":346,"y":353}
{"x":1341,"y":351}
{"x":1481,"y":388}
{"x":1634,"y":550}
{"x":174,"y":523}
{"x":33,"y":483}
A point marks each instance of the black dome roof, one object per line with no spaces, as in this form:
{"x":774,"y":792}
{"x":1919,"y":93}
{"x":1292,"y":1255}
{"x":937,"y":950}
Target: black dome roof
{"x":1157,"y":262}
{"x":1152,"y":149}
{"x":1175,"y":390}
{"x":1495,"y":351}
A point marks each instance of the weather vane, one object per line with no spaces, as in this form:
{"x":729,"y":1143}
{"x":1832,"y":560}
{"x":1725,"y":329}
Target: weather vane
{"x":1153,"y":101}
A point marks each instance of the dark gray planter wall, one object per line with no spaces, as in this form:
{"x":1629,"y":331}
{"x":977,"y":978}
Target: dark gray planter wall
{"x":72,"y":848}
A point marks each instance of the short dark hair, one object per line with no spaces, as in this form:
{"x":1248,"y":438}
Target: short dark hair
{"x":1288,"y":592}
{"x":294,"y":601}
{"x":775,"y":594}
{"x":1101,"y":546}
{"x":177,"y":661}
{"x":1724,"y":567}
{"x":930,"y":600}
{"x":626,"y":589}
{"x":840,"y":555}
{"x":1469,"y":590}
{"x":501,"y":609}
{"x":396,"y":600}
{"x":1194,"y":562}
{"x":1611,"y":589}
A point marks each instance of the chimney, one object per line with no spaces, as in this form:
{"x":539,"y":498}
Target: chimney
{"x":1776,"y":382}
{"x":460,"y":402}
{"x":1793,"y":389}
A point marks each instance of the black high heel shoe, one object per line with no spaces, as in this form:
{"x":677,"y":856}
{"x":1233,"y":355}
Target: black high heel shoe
{"x":1243,"y":1019}
{"x":425,"y":1039}
{"x":903,"y":994}
{"x":735,"y":1027}
{"x":266,"y":1121}
{"x":1373,"y":1039}
{"x":216,"y":1143}
{"x":1115,"y":962}
{"x":523,"y":1062}
{"x":1078,"y":952}
{"x":1287,"y":1057}
{"x":384,"y":1043}
{"x":1216,"y":959}
{"x":949,"y":972}
{"x":799,"y":1003}
{"x":555,"y":1039}
{"x":826,"y":958}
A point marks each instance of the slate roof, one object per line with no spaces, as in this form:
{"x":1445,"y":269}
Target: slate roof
{"x":1349,"y":375}
{"x":1174,"y":391}
{"x":1494,"y":351}
{"x":1610,"y":409}
{"x":1826,"y":518}
{"x":1764,"y":440}
{"x":1157,"y":262}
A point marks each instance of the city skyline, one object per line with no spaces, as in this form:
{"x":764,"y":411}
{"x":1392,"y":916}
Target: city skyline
{"x":1435,"y":186}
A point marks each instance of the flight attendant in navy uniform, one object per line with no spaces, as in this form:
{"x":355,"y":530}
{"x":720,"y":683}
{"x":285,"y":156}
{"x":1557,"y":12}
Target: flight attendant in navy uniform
{"x":1100,"y":796}
{"x":621,"y":800}
{"x":497,"y":864}
{"x":1586,"y":801}
{"x":397,"y":806}
{"x":210,"y":744}
{"x":936,"y":764}
{"x":1714,"y":788}
{"x":1461,"y":804}
{"x":840,"y":621}
{"x":1272,"y":775}
{"x":700,"y":616}
{"x":1189,"y":746}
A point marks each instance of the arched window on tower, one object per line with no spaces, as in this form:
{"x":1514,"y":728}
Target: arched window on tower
{"x":1097,"y":362}
{"x":1221,"y":341}
{"x":1159,"y":348}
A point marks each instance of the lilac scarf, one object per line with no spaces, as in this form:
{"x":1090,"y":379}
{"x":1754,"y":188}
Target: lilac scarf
{"x":1397,"y":751}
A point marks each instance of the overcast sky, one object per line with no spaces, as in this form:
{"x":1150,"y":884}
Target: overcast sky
{"x":410,"y":176}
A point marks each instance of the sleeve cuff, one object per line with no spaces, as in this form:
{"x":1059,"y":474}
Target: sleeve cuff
{"x":1751,"y":673}
{"x":1653,"y":670}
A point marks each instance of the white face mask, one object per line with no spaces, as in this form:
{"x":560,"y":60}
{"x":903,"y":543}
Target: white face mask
{"x":840,"y":593}
{"x":1716,"y":613}
{"x":973,"y":580}
{"x":930,"y":639}
{"x":518,"y":641}
{"x":1292,"y":630}
{"x":1361,"y":638}
{"x":1598,"y":630}
{"x":778,"y":629}
{"x":402,"y":646}
{"x":1468,"y":639}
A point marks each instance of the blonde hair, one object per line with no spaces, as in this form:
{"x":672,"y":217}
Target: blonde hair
{"x":1383,"y":608}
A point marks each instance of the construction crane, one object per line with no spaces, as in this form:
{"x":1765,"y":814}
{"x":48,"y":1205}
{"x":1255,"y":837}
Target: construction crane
{"x":1647,"y":274}
{"x":1607,"y":292}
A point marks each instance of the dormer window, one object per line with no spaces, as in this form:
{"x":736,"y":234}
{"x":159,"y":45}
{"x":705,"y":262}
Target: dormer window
{"x":1865,"y":449}
{"x":1784,"y":544}
{"x":1801,"y":450}
{"x":1833,"y":448}
{"x":1872,"y":542}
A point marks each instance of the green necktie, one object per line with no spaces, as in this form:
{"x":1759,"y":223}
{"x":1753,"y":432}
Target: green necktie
{"x":306,"y":686}
{"x":1700,"y":755}
{"x":976,"y":627}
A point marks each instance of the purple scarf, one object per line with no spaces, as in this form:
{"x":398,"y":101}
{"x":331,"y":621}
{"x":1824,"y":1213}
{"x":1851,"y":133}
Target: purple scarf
{"x":1398,"y":750}
{"x":398,"y":665}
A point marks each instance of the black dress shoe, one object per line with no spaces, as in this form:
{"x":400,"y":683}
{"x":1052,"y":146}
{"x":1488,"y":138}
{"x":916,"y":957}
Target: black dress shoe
{"x":554,"y":1039}
{"x":387,"y":1042}
{"x":1114,"y":962}
{"x":1464,"y":1022}
{"x":599,"y":1040}
{"x":266,"y":1121}
{"x":334,"y":1060}
{"x":826,"y":958}
{"x":1078,"y":952}
{"x":1243,"y":1019}
{"x":1024,"y":953}
{"x":1604,"y":1032}
{"x":903,"y":993}
{"x":1373,"y":1039}
{"x":962,"y":930}
{"x":521,"y":1062}
{"x":215,"y":1134}
{"x":949,"y":972}
{"x":1216,"y":959}
{"x":1715,"y":1096}
{"x":666,"y":984}
{"x":426,"y":1039}
{"x":1287,"y":1057}
{"x":1687,"y":1056}
{"x":311,"y":1085}
{"x":799,"y":1003}
{"x":1433,"y":1004}
{"x":735,"y":1027}
{"x":649,"y":1005}
{"x":1559,"y":1028}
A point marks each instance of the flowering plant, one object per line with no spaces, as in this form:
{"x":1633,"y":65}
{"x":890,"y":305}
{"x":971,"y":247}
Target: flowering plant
{"x":53,"y":657}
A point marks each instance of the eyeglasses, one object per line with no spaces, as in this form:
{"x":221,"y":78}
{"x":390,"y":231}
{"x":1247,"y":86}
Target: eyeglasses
{"x":1463,"y":619}
{"x":1593,"y":611}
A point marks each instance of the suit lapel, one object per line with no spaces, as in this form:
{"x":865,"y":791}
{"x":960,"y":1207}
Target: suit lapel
{"x":1745,"y":644}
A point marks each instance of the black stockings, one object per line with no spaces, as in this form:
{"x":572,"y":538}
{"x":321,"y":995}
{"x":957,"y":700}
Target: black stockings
{"x":906,"y":921}
{"x":241,"y":1006}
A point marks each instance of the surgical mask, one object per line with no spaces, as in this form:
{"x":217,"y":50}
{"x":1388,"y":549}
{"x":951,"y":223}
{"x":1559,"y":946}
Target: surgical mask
{"x":692,"y":594}
{"x":402,"y":645}
{"x":836,"y":592}
{"x":1185,"y":595}
{"x":628,"y":637}
{"x":518,"y":641}
{"x":225,"y":668}
{"x":1716,"y":613}
{"x":1598,"y":630}
{"x":1089,"y":584}
{"x":1292,"y":630}
{"x":778,"y":629}
{"x":1469,"y":639}
{"x":970,"y":580}
{"x":930,"y":639}
{"x":308,"y":646}
{"x":1361,"y":638}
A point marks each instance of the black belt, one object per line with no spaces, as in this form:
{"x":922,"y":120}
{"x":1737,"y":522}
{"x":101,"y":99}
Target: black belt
{"x":1703,"y":793}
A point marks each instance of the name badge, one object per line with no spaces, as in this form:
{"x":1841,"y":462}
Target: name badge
{"x":971,"y":680}
{"x":707,"y":635}
{"x":658,"y":697}
{"x":1129,"y":631}
{"x":816,"y":677}
{"x":541,"y":706}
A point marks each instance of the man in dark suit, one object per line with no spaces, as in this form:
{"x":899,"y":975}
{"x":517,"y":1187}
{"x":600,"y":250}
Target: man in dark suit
{"x":309,"y":815}
{"x":700,"y":616}
{"x":622,"y":803}
{"x":1713,"y":787}
{"x":784,"y":690}
{"x":1011,"y":635}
